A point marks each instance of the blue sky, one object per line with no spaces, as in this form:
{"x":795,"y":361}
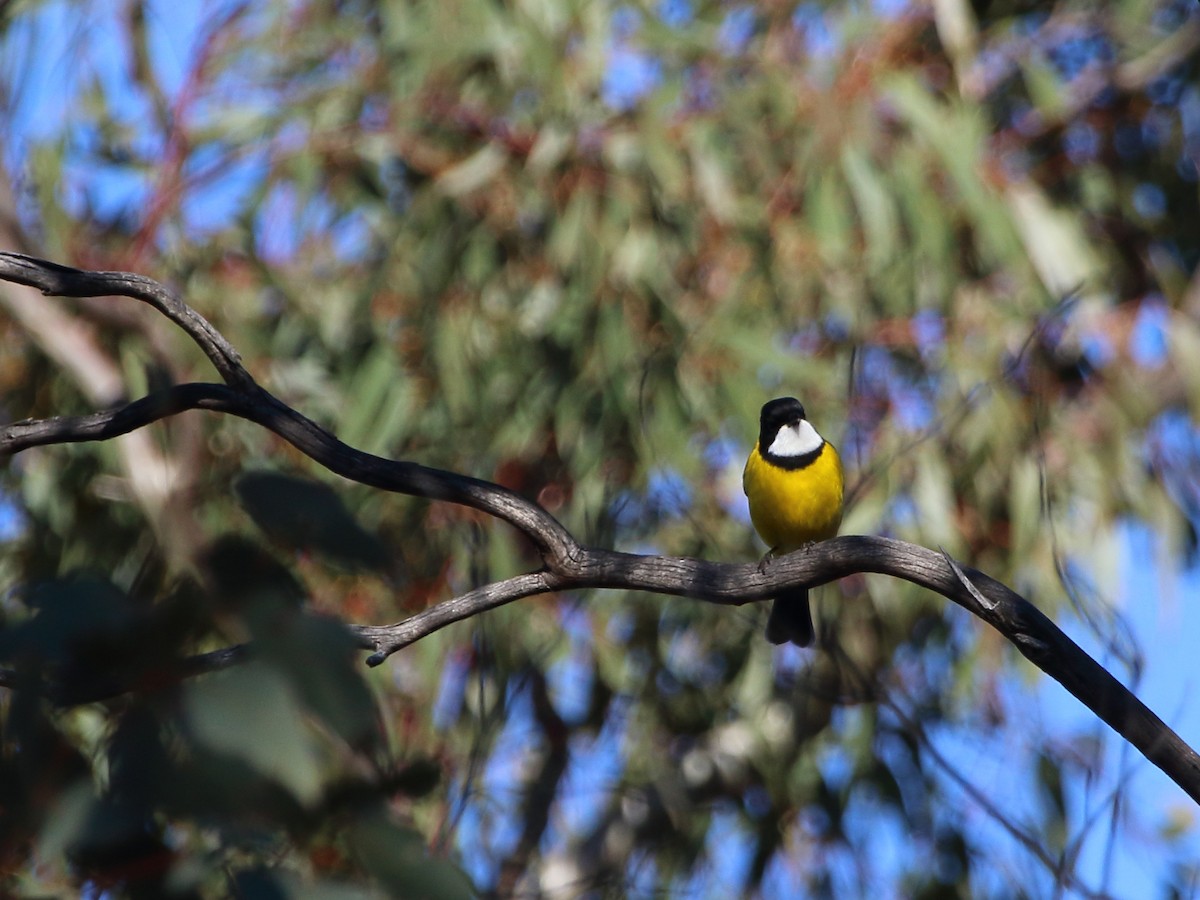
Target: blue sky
{"x":1159,"y":603}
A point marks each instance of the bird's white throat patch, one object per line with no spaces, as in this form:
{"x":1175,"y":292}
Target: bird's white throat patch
{"x":795,"y":440}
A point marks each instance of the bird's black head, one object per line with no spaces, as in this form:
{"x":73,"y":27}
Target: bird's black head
{"x":775,"y":414}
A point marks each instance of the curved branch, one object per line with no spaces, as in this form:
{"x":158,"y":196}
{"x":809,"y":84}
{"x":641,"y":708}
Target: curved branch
{"x":387,"y":639}
{"x":154,"y":476}
{"x":242,"y":396}
{"x":63,"y":281}
{"x":257,"y":405}
{"x":567,"y":564}
{"x":1041,"y":641}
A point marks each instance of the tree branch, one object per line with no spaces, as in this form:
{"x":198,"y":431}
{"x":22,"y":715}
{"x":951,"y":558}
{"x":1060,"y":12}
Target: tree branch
{"x":242,"y":396}
{"x":567,"y":565}
{"x":63,"y":281}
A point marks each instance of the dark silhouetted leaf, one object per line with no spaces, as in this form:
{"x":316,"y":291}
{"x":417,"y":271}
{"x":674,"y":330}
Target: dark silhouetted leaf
{"x":302,"y":514}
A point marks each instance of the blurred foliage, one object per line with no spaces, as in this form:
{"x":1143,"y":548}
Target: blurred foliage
{"x":572,"y":247}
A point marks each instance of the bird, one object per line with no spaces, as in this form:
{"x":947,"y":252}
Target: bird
{"x":794,"y":484}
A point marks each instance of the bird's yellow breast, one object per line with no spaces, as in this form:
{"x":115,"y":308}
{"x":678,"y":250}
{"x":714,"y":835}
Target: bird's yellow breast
{"x":794,"y":507}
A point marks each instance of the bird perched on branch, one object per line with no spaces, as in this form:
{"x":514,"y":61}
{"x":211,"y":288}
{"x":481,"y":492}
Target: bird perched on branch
{"x":793,"y":480}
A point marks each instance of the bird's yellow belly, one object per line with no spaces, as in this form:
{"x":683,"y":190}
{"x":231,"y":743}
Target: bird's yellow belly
{"x":794,"y":507}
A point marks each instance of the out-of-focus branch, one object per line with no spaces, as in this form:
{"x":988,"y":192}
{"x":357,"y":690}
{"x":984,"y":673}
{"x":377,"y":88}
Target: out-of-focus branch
{"x":67,"y":341}
{"x":151,"y":475}
{"x":568,"y":565}
{"x":64,"y":281}
{"x":75,"y":691}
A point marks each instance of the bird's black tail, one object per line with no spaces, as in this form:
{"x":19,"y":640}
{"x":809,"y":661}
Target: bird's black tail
{"x":791,"y":619}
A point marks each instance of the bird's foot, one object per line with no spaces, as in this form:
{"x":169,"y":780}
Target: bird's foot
{"x":765,"y":563}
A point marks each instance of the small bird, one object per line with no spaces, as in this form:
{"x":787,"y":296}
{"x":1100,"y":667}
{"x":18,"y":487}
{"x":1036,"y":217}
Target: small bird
{"x":793,"y":480}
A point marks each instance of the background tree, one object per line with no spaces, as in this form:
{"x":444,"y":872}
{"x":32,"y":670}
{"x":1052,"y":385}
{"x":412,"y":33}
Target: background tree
{"x":571,"y":248}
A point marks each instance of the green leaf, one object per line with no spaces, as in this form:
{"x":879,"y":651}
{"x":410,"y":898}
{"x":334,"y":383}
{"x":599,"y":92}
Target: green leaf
{"x":876,"y":210}
{"x":69,"y":615}
{"x":829,"y":214}
{"x":397,"y":858}
{"x":1058,"y":248}
{"x":1025,"y":507}
{"x":379,"y":402}
{"x":713,"y":183}
{"x":254,"y":714}
{"x":935,"y":503}
{"x":303,"y":514}
{"x":321,"y":662}
{"x":1043,"y":83}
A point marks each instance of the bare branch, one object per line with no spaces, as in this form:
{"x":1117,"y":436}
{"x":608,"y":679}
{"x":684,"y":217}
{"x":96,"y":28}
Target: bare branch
{"x":101,"y":426}
{"x":567,"y":565}
{"x":1039,"y":640}
{"x":63,"y":281}
{"x":243,"y":397}
{"x":153,"y":476}
{"x":387,"y":639}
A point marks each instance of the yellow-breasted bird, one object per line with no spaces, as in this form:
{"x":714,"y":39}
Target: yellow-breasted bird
{"x":793,"y":480}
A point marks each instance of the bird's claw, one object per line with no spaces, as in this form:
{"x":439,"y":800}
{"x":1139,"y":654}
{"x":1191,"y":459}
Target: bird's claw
{"x":765,"y":563}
